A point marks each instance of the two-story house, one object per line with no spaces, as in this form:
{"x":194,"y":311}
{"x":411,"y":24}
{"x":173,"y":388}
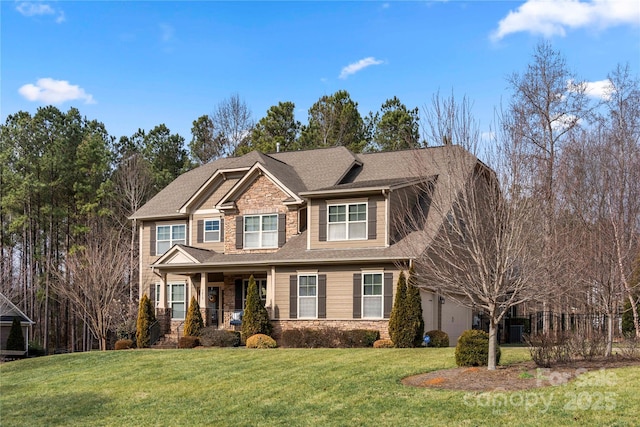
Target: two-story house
{"x":319,"y":230}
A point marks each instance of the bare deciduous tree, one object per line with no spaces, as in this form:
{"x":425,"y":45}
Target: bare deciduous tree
{"x":94,"y":282}
{"x":232,"y":124}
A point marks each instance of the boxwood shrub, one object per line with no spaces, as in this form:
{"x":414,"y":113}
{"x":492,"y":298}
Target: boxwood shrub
{"x":438,"y":338}
{"x":261,"y":341}
{"x":123,"y":344}
{"x":473,"y":349}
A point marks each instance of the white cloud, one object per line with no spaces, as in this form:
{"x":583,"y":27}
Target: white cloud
{"x":50,"y":91}
{"x":599,"y":89}
{"x":357,"y":66}
{"x":167,"y":32}
{"x":27,"y":8}
{"x":549,"y":18}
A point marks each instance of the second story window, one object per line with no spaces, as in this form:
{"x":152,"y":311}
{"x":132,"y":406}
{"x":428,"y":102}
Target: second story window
{"x":347,"y":222}
{"x":261,"y":231}
{"x":169,"y":235}
{"x":212,"y":230}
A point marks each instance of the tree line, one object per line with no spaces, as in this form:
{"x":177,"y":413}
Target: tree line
{"x":65,"y":183}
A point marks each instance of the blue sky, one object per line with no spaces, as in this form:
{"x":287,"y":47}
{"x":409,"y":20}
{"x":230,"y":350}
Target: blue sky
{"x":138,"y":64}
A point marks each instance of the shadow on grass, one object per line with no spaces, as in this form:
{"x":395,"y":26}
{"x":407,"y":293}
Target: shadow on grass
{"x":64,"y":409}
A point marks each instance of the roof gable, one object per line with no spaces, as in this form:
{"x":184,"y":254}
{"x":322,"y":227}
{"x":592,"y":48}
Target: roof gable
{"x":10,"y":310}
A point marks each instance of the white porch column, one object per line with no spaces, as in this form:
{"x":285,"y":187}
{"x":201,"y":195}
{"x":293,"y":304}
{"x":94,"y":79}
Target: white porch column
{"x":202,"y":300}
{"x":271,"y":290}
{"x":162,"y":299}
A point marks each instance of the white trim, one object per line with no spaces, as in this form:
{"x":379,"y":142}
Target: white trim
{"x":204,"y":230}
{"x":171,"y":240}
{"x":346,"y":222}
{"x":256,"y":170}
{"x":315,"y":297}
{"x":206,"y":211}
{"x":171,"y":252}
{"x":363,"y":296}
{"x":260,"y":232}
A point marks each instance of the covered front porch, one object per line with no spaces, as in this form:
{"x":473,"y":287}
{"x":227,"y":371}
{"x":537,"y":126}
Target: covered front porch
{"x":221,"y":296}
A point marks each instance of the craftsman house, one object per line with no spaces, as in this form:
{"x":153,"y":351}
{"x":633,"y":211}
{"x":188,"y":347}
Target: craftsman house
{"x":322,"y":232}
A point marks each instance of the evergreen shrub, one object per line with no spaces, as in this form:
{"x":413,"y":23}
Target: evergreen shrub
{"x":256,"y":318}
{"x":261,"y":341}
{"x":438,"y":338}
{"x":15,"y":341}
{"x":473,"y":349}
{"x":193,"y":323}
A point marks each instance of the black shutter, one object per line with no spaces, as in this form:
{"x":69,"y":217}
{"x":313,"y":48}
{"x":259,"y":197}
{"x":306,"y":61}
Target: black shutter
{"x":152,"y":294}
{"x":372,"y":219}
{"x":357,"y":295}
{"x":282,"y":230}
{"x":187,"y":238}
{"x":238,"y":297}
{"x":322,"y":296}
{"x":200,"y":231}
{"x":322,"y":221}
{"x":293,"y":296}
{"x":239,"y":232}
{"x":152,"y":240}
{"x":222,"y":229}
{"x":388,"y":295}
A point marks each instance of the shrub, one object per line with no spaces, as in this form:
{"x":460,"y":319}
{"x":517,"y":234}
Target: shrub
{"x":35,"y":349}
{"x":359,"y":338}
{"x":383,"y":344}
{"x":15,"y":341}
{"x":124,"y":344}
{"x":261,"y":341}
{"x":256,"y":318}
{"x":473,"y":349}
{"x":328,"y":338}
{"x":146,"y":318}
{"x":212,"y":337}
{"x":414,"y":309}
{"x":561,"y":347}
{"x":438,"y":338}
{"x":188,"y":341}
{"x":397,"y":318}
{"x":193,"y":322}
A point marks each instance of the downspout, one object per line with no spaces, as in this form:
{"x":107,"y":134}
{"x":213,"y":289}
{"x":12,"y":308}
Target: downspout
{"x":387,"y":219}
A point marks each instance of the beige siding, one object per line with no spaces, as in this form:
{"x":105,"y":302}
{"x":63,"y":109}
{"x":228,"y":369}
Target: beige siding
{"x":379,"y":241}
{"x":339,"y":288}
{"x":193,"y":231}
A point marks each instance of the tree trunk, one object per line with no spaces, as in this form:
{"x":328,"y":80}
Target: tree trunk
{"x":609,"y":348}
{"x":493,"y":341}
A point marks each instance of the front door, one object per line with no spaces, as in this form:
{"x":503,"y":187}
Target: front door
{"x":213,"y":305}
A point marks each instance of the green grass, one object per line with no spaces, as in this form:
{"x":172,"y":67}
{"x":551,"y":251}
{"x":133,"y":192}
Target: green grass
{"x":289,"y":387}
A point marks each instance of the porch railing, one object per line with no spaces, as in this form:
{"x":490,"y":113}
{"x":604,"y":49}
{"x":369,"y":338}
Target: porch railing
{"x":154,"y":332}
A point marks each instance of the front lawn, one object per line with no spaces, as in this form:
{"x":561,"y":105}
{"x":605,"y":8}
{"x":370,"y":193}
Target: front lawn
{"x":289,"y":387}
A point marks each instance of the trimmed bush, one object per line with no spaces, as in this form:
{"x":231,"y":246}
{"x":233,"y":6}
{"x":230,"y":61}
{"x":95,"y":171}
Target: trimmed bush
{"x":261,"y":341}
{"x":383,"y":344}
{"x":15,"y":342}
{"x":328,"y":338}
{"x":211,"y":337}
{"x":438,"y":338}
{"x":146,"y":317}
{"x":359,"y":338}
{"x":413,"y":305}
{"x":193,"y":322}
{"x":473,"y":349}
{"x":125,"y":344}
{"x":397,"y":318}
{"x":188,"y":341}
{"x":256,"y":318}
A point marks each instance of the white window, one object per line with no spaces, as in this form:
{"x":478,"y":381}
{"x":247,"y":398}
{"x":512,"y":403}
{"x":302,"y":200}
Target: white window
{"x":169,"y":235}
{"x":262,"y":290}
{"x":176,"y":300}
{"x":347,"y":222}
{"x":308,"y":297}
{"x":261,"y":231}
{"x":372,"y":295}
{"x":212,"y":230}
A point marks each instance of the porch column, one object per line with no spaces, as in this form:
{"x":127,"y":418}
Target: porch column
{"x":271,"y":291}
{"x":162,"y":298}
{"x":202,"y":298}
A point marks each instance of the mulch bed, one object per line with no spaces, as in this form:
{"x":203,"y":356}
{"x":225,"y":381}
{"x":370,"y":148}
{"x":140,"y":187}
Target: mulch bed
{"x":518,"y":376}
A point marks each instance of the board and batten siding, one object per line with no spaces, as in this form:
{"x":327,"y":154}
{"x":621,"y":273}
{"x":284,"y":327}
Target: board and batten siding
{"x":317,"y":230}
{"x":339,"y":289}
